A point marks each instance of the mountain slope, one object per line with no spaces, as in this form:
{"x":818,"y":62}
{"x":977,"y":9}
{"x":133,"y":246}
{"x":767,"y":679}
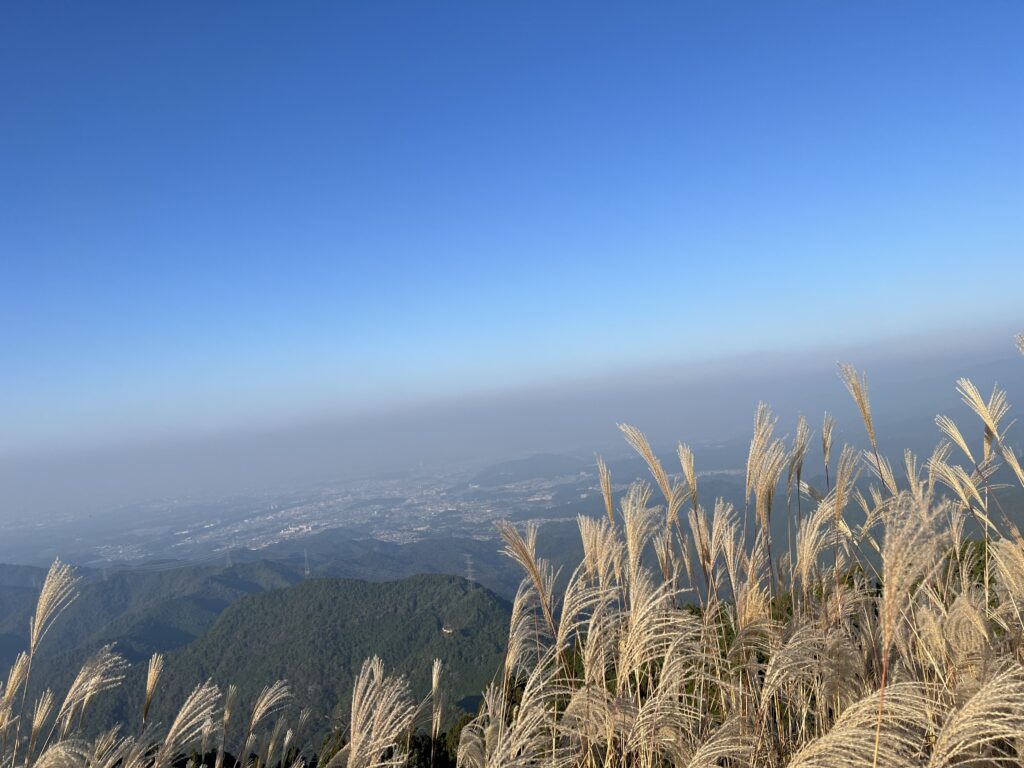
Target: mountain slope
{"x":142,"y":611}
{"x":316,"y":635}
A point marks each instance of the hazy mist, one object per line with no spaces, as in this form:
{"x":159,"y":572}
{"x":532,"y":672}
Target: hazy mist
{"x":710,"y":401}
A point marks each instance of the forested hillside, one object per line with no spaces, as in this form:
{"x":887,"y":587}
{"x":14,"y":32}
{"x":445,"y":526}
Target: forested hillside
{"x":143,"y":611}
{"x":316,"y":635}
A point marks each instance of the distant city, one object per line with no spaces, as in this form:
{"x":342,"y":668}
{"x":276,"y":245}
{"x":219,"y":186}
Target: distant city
{"x":400,"y":509}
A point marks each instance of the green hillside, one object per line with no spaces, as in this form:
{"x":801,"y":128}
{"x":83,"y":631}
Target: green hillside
{"x":143,"y":611}
{"x":316,"y":635}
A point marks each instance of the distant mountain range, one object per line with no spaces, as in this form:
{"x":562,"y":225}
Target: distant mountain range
{"x":143,"y":611}
{"x":160,"y":608}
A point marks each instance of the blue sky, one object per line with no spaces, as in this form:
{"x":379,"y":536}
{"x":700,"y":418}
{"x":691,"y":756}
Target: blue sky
{"x":219,"y":215}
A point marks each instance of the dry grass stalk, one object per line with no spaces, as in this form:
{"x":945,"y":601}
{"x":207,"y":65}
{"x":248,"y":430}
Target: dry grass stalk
{"x":188,"y":724}
{"x":153,"y":671}
{"x":858,"y":388}
{"x":828,"y":424}
{"x":605,"y":478}
{"x":382,"y":711}
{"x":58,"y":592}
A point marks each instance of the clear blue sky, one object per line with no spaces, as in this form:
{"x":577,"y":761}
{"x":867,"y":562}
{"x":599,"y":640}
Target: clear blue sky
{"x":219,"y":214}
